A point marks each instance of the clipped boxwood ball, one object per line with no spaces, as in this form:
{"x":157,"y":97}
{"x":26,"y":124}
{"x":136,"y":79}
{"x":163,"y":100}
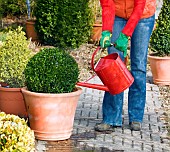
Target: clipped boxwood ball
{"x":52,"y":70}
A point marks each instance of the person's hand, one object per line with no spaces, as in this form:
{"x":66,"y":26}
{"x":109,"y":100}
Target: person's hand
{"x":122,"y":43}
{"x":105,"y":40}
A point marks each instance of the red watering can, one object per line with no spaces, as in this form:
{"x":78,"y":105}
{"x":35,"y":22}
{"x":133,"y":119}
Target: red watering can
{"x":112,"y":72}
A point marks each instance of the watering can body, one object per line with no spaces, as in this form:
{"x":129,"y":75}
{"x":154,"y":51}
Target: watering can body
{"x":112,"y":72}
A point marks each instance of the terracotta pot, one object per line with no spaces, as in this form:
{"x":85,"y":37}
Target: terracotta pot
{"x":12,"y":101}
{"x":51,"y":116}
{"x":160,"y":68}
{"x":96,"y":33}
{"x":30,"y":30}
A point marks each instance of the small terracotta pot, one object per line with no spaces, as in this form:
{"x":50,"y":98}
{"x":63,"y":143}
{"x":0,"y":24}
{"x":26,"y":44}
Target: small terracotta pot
{"x":30,"y":30}
{"x":160,"y":68}
{"x":96,"y":33}
{"x":12,"y":101}
{"x":51,"y":116}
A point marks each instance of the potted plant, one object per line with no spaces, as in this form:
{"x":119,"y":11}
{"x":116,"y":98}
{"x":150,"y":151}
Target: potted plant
{"x":15,"y":134}
{"x":160,"y":46}
{"x":14,"y":55}
{"x":97,"y":15}
{"x":30,"y":22}
{"x":51,"y":95}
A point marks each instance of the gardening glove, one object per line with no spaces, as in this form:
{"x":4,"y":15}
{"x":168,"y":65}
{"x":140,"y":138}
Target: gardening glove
{"x":105,"y":40}
{"x":122,"y":43}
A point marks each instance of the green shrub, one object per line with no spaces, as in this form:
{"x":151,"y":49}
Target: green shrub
{"x":15,"y":135}
{"x":14,"y":55}
{"x":13,"y":7}
{"x":51,"y":71}
{"x":64,"y":23}
{"x":160,"y":38}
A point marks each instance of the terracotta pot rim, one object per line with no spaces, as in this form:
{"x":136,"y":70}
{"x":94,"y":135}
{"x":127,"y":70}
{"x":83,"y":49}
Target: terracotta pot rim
{"x":52,"y":132}
{"x":9,"y":89}
{"x":97,"y":24}
{"x":51,"y":95}
{"x":158,"y":57}
{"x":30,"y":22}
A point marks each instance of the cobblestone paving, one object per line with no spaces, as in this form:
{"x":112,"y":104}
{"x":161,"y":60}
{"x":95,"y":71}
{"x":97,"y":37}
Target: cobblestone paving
{"x":152,"y":138}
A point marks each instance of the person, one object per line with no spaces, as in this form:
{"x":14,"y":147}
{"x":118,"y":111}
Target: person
{"x":125,"y":20}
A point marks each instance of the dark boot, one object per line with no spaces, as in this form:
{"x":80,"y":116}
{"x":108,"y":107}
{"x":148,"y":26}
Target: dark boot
{"x":104,"y":127}
{"x":135,"y":126}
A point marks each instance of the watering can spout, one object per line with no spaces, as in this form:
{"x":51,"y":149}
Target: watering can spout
{"x":93,"y":86}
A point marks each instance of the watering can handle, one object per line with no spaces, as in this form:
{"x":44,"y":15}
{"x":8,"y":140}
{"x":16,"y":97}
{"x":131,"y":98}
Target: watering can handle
{"x":91,"y":85}
{"x":93,"y":55}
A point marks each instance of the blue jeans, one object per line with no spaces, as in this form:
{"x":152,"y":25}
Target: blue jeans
{"x":113,"y":104}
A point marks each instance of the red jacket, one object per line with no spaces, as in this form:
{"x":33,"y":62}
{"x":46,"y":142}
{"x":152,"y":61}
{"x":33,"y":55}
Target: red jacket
{"x":132,"y":10}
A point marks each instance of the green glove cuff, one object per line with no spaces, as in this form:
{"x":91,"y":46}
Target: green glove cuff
{"x":105,"y":40}
{"x":122,"y":43}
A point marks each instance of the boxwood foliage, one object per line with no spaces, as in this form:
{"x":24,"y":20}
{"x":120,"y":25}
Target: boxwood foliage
{"x":63,"y":23}
{"x":160,"y":38}
{"x":52,"y":70}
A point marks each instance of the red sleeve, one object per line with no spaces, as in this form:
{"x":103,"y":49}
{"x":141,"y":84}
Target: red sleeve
{"x":108,"y":14}
{"x":139,"y":6}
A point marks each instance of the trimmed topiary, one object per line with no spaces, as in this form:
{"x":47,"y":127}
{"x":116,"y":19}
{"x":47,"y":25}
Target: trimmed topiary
{"x":52,"y":70}
{"x":63,"y":23}
{"x":14,"y":55}
{"x":15,"y":135}
{"x":160,"y":38}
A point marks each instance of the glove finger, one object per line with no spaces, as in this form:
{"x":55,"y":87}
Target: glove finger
{"x":107,"y":43}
